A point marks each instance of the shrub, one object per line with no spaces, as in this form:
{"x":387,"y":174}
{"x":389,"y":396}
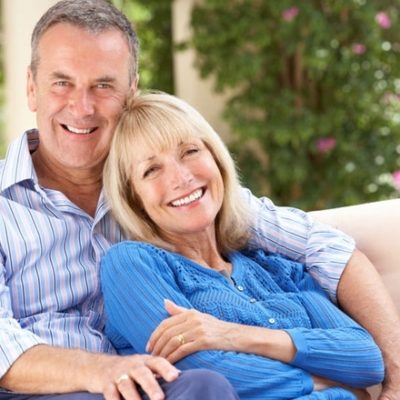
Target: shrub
{"x":315,"y":113}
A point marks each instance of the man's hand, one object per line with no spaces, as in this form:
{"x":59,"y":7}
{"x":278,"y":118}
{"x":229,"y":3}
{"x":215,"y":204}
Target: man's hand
{"x":116,"y":376}
{"x":390,"y":391}
{"x":45,"y":369}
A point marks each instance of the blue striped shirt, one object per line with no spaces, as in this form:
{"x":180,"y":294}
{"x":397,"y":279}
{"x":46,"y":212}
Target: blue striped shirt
{"x":50,"y":251}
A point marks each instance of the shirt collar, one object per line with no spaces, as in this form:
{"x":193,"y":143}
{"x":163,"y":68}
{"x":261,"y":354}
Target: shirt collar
{"x":18,"y":165}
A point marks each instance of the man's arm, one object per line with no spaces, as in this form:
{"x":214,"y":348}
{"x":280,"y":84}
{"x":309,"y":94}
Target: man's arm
{"x":362,"y":294}
{"x":326,"y":253}
{"x":45,"y":369}
{"x":293,"y":233}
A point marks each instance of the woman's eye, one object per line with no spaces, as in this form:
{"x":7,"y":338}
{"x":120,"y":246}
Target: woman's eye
{"x":192,"y":150}
{"x":149,"y":171}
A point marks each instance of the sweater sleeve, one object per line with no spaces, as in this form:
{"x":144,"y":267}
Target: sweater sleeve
{"x":335,"y":346}
{"x":330,"y":394}
{"x":135,"y":282}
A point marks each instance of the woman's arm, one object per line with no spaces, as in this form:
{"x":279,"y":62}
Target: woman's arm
{"x":135,"y":284}
{"x":332,"y":346}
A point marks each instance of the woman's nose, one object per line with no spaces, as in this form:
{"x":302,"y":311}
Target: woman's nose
{"x":181,"y":176}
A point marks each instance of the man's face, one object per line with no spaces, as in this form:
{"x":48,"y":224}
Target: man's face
{"x":78,"y":93}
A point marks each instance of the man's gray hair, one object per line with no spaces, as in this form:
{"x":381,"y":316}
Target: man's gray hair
{"x":92,"y":15}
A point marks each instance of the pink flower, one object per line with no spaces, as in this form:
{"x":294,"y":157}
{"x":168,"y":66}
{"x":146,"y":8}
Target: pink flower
{"x":396,"y":179}
{"x":290,"y":14}
{"x":359,"y":48}
{"x":326,"y":144}
{"x":383,"y":20}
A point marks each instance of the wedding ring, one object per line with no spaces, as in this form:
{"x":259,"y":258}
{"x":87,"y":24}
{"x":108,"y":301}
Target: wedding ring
{"x":123,"y":377}
{"x":181,"y":339}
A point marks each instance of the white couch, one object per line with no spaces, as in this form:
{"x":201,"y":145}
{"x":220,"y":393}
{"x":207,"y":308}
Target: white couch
{"x":376,"y":229}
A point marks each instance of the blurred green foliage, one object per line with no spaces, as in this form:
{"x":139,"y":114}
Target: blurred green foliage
{"x":315,"y":110}
{"x":152,"y":21}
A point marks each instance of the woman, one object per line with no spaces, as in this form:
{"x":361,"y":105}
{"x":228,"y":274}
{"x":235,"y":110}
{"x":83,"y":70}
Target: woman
{"x":192,"y":292}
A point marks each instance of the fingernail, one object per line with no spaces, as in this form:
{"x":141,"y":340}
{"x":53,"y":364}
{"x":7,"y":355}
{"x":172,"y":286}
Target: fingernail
{"x":173,"y":374}
{"x":147,"y":347}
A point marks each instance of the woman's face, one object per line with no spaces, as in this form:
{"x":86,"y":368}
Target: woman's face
{"x":181,"y":188}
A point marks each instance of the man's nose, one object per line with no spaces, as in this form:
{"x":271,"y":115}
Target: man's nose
{"x":81,"y":103}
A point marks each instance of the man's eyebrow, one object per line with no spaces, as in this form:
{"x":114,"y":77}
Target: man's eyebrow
{"x":64,"y":76}
{"x":60,"y":75}
{"x":105,"y":78}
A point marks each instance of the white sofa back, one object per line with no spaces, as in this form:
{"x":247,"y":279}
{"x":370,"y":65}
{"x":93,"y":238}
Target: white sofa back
{"x":376,"y":229}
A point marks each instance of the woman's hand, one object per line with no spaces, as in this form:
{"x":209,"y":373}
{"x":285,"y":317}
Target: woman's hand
{"x":189,"y":331}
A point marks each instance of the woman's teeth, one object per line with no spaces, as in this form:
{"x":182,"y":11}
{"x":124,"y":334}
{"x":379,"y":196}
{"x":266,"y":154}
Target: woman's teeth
{"x":188,"y":199}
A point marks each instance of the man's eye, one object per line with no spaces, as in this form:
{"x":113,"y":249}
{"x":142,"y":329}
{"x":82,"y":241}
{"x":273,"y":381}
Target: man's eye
{"x":103,"y":86}
{"x":61,"y":83}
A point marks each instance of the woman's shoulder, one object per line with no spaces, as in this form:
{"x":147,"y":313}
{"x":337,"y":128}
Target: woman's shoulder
{"x":133,"y":245}
{"x":281,"y":268}
{"x":133,"y":252}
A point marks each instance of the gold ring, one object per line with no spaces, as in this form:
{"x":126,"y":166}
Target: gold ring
{"x":123,"y":377}
{"x":181,"y":339}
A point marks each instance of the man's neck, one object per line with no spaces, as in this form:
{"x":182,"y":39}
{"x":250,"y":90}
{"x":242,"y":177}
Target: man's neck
{"x":82,"y":187}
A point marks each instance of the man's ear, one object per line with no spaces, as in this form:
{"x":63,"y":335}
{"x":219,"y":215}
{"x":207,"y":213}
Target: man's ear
{"x":135,"y":83}
{"x":31,"y":90}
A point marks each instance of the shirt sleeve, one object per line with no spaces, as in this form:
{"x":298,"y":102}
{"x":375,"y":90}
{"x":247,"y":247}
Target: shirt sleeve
{"x":293,"y":233}
{"x":135,"y":282}
{"x":14,"y":340}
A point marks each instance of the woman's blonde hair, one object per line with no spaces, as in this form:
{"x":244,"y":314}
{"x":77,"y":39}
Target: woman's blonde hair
{"x":161,"y":121}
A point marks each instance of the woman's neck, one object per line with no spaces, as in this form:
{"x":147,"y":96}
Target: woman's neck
{"x":202,"y":249}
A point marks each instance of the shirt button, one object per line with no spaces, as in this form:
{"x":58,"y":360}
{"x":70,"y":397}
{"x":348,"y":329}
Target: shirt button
{"x":271,"y":320}
{"x":240,"y":288}
{"x":253,"y":301}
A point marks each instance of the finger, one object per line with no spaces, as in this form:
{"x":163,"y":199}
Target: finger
{"x":128,"y":389}
{"x":163,"y":368}
{"x":169,"y":340}
{"x":162,"y":328}
{"x":144,"y":377}
{"x":111,"y":392}
{"x":173,"y":344}
{"x":172,"y":308}
{"x":182,"y":352}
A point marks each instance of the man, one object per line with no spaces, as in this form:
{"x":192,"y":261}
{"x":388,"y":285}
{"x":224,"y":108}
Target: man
{"x":77,"y":83}
{"x":55,"y":227}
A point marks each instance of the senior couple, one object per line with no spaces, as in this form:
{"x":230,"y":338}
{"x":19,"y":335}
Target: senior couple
{"x":210,"y":297}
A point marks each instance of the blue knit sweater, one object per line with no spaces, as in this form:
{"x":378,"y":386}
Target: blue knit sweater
{"x":268,"y":291}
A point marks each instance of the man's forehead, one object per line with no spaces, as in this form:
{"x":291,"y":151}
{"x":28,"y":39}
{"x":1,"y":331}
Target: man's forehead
{"x":72,"y":35}
{"x":65,"y":49}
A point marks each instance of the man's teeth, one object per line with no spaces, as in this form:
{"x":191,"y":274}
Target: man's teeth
{"x":79,"y":131}
{"x":188,"y":199}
